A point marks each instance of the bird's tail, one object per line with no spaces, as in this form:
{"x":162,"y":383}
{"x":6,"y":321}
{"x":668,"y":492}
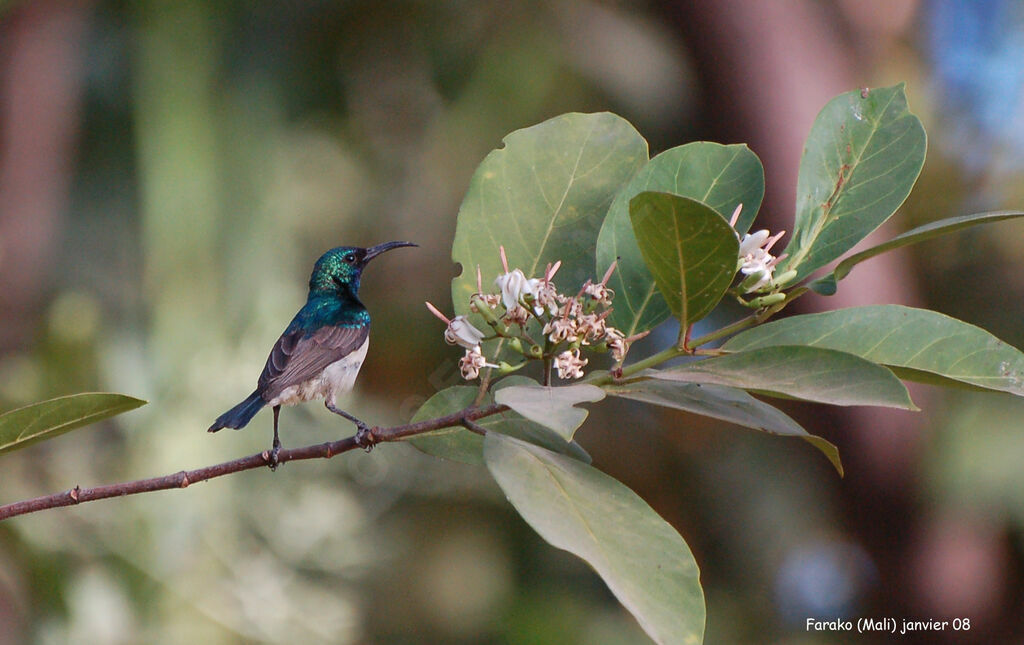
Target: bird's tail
{"x":239,"y":415}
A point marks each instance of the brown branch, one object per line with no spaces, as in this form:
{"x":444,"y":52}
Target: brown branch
{"x":182,"y":479}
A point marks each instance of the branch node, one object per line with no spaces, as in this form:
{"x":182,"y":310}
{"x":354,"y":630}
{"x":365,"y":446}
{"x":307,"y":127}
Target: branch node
{"x":73,"y":493}
{"x":473,"y":426}
{"x":184,"y":480}
{"x":367,"y":438}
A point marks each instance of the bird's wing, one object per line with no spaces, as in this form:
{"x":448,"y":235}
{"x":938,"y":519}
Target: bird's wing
{"x":296,"y":357}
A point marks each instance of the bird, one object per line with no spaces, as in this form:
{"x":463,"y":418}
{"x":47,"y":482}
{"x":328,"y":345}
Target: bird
{"x":320,"y":352}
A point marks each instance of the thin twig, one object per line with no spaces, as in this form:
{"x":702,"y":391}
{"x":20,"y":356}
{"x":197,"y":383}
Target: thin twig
{"x":473,"y":426}
{"x":183,"y":479}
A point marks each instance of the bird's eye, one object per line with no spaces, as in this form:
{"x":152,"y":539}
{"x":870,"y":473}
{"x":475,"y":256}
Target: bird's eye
{"x":351,"y":258}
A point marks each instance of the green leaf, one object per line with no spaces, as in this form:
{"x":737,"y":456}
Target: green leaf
{"x":454,"y":442}
{"x":808,"y":373}
{"x":827,"y":285}
{"x":459,"y":444}
{"x":543,"y":196}
{"x":720,"y":176}
{"x":690,"y":250}
{"x":552,"y":407}
{"x":913,"y":342}
{"x":47,"y":419}
{"x":641,"y":558}
{"x":724,"y":403}
{"x":861,"y":159}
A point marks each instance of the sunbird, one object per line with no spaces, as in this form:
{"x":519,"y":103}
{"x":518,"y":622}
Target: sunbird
{"x":319,"y":355}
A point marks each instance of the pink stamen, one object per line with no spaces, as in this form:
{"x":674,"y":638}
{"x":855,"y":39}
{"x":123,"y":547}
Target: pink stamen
{"x":504,"y":260}
{"x":565,"y":312}
{"x":434,"y":310}
{"x":554,"y":269}
{"x":772,"y":240}
{"x":735,"y":215}
{"x":608,"y":273}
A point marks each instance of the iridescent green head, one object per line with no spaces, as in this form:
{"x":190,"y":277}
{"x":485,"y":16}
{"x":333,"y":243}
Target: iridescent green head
{"x":340,"y":268}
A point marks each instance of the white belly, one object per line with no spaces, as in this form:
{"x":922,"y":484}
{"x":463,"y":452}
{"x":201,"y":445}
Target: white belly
{"x":337,"y":378}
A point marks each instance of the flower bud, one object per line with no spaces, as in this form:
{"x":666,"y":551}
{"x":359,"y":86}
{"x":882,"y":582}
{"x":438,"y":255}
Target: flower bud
{"x":479,"y":304}
{"x":505,"y":368}
{"x":516,"y":345}
{"x":757,"y":278}
{"x":767,"y":301}
{"x":785,"y":278}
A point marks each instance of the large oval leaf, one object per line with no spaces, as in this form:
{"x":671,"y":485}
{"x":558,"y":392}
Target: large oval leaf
{"x":552,"y":407}
{"x":916,"y":343}
{"x":47,"y":419}
{"x":543,"y":196}
{"x":459,"y":444}
{"x":641,"y":558}
{"x":723,"y":403}
{"x":826,"y":285}
{"x":722,"y":177}
{"x":690,"y":250}
{"x":454,"y":442}
{"x":801,"y":372}
{"x":861,"y":159}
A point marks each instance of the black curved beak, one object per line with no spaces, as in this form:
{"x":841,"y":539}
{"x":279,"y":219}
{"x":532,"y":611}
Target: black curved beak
{"x":374,"y":251}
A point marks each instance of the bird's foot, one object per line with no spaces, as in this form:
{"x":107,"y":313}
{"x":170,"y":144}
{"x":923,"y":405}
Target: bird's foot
{"x":365,"y":438}
{"x":271,"y":456}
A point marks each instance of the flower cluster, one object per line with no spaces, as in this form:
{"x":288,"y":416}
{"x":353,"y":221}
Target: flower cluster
{"x":568,"y":324}
{"x":755,"y":261}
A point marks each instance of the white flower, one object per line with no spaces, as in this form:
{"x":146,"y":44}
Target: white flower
{"x":559,"y":329}
{"x":569,"y":364}
{"x":590,"y":326}
{"x":514,"y":286}
{"x":517,"y":315}
{"x":599,"y":292}
{"x":752,"y":241}
{"x":461,"y":332}
{"x":618,"y":347}
{"x":617,"y":343}
{"x":546,"y":297}
{"x":472,"y":362}
{"x":756,"y":262}
{"x":571,"y":307}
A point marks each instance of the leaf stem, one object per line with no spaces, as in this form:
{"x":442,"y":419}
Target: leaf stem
{"x":602,"y":378}
{"x":728,"y":330}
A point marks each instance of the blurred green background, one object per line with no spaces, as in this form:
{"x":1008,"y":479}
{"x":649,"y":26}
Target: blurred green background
{"x":169,"y":171}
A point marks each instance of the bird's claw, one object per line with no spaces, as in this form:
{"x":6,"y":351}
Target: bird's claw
{"x":365,"y":438}
{"x":271,"y":456}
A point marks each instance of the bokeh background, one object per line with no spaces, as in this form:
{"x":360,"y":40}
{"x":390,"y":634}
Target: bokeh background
{"x":170,"y":170}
